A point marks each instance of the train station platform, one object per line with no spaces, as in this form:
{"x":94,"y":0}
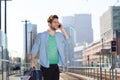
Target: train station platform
{"x":63,"y":76}
{"x":18,"y":77}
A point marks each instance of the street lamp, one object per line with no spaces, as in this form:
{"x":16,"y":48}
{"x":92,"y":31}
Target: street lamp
{"x":101,"y":61}
{"x":0,"y":14}
{"x":5,"y":71}
{"x":26,"y":21}
{"x":5,"y":4}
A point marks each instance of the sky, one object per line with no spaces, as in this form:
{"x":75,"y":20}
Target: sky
{"x":37,"y":12}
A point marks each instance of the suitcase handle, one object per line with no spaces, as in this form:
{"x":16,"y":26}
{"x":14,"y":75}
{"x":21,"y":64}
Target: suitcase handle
{"x":32,"y":68}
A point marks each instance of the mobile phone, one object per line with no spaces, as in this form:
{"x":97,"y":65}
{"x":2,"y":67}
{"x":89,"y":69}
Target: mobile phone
{"x":59,"y":26}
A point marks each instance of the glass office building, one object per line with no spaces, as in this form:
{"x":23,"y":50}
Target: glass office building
{"x":4,"y":58}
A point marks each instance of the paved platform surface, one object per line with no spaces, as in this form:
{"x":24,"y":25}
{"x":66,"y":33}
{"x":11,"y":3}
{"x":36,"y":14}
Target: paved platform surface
{"x":18,"y":77}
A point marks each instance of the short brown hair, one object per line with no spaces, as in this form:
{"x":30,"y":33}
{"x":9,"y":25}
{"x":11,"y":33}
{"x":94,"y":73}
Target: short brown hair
{"x":51,"y":18}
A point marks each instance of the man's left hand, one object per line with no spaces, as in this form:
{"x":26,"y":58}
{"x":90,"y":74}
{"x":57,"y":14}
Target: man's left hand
{"x":61,"y":27}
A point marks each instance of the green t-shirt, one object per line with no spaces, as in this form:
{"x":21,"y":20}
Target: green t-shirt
{"x":52,"y":50}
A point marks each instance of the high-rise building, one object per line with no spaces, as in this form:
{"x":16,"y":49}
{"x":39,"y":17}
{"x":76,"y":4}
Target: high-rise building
{"x":72,"y":32}
{"x":110,"y":22}
{"x":109,"y":31}
{"x":3,"y":55}
{"x":31,"y":34}
{"x":70,"y":47}
{"x":68,"y":20}
{"x":110,"y":25}
{"x":83,"y":26}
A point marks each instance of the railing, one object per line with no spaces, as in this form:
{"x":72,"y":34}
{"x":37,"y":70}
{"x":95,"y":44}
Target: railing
{"x":94,"y":72}
{"x":3,"y":69}
{"x":12,"y":67}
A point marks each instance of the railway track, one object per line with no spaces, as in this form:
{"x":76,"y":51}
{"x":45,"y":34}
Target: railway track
{"x":96,"y":75}
{"x":72,"y":76}
{"x":94,"y":72}
{"x":67,"y":77}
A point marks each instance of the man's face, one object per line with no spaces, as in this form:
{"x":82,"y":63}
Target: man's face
{"x":54,"y":25}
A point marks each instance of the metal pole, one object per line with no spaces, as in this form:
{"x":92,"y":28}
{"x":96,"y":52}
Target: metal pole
{"x":31,"y":38}
{"x":117,"y":61}
{"x":102,"y":54}
{"x":105,"y":74}
{"x":2,"y":63}
{"x":100,"y":68}
{"x":5,"y":16}
{"x":115,"y":74}
{"x":97,"y":73}
{"x":0,"y":14}
{"x":110,"y":74}
{"x":113,"y":66}
{"x":26,"y":57}
{"x":100,"y":62}
{"x":91,"y":72}
{"x":26,"y":42}
{"x":88,"y":61}
{"x":94,"y":74}
{"x":88,"y":65}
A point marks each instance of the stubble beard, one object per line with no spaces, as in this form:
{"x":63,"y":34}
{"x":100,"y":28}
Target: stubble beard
{"x":53,"y":28}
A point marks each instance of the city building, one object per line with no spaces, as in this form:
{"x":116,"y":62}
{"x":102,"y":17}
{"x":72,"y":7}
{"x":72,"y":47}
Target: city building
{"x":110,"y":25}
{"x":31,"y":35}
{"x":77,"y":57}
{"x":90,"y":51}
{"x":109,"y":31}
{"x":4,"y":55}
{"x":91,"y":55}
{"x":70,"y":47}
{"x":72,"y":32}
{"x":83,"y":26}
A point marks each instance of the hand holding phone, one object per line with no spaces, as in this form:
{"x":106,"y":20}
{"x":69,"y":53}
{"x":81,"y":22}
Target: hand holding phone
{"x":59,"y":26}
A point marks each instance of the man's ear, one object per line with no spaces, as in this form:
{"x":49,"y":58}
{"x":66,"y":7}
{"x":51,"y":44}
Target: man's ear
{"x":49,"y":24}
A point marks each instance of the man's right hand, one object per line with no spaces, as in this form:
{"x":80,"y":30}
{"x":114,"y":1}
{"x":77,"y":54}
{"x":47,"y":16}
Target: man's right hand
{"x":32,"y":59}
{"x":32,"y":64}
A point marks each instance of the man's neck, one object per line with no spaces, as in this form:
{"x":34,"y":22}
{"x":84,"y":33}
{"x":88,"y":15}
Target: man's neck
{"x":51,"y":32}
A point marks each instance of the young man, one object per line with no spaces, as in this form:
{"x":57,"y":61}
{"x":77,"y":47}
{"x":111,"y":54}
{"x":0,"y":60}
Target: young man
{"x":51,"y":45}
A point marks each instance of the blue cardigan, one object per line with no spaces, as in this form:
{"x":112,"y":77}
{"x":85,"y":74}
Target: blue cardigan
{"x":41,"y":43}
